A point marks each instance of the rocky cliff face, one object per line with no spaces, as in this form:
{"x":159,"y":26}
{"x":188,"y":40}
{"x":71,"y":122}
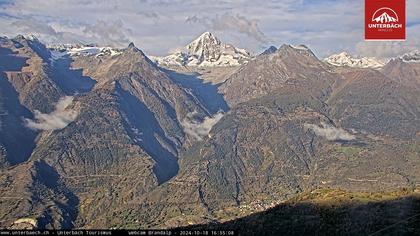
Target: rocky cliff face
{"x":28,"y":70}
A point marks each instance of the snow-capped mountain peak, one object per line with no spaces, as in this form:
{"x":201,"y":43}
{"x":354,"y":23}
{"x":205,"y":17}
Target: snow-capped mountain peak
{"x":206,"y":42}
{"x":206,"y":51}
{"x":345,"y":59}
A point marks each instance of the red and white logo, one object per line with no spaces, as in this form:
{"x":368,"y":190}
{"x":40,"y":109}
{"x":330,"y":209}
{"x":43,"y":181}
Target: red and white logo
{"x":385,"y":19}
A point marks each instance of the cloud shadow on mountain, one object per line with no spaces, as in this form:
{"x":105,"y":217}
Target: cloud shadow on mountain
{"x":18,"y":140}
{"x":206,"y":92}
{"x":144,"y":129}
{"x":71,"y":81}
{"x":10,"y":62}
{"x":49,"y":177}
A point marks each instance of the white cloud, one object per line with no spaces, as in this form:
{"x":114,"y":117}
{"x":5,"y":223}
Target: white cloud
{"x":233,"y":23}
{"x":199,"y":130}
{"x":330,"y":132}
{"x":58,"y":119}
{"x":34,"y":26}
{"x":108,"y":32}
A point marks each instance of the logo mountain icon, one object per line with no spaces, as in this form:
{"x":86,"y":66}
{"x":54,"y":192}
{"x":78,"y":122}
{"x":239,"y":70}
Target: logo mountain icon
{"x":385,"y":15}
{"x":385,"y":18}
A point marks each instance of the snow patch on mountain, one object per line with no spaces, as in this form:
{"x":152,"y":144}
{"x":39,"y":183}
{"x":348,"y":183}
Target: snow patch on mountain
{"x":345,"y":59}
{"x":74,"y":50}
{"x":300,"y":47}
{"x":206,"y":51}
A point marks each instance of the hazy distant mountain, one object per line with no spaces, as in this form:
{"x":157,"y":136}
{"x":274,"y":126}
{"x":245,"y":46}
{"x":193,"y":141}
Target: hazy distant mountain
{"x":413,"y":56}
{"x":206,"y":51}
{"x":269,"y":50}
{"x":345,"y":59}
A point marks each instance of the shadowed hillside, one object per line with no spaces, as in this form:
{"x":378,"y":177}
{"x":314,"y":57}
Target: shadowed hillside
{"x":334,"y":212}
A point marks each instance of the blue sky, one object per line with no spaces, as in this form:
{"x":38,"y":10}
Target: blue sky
{"x":161,"y":26}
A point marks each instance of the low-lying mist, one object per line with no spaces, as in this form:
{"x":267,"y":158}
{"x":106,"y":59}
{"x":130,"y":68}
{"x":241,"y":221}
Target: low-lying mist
{"x":58,"y":119}
{"x":199,"y":130}
{"x":330,"y":132}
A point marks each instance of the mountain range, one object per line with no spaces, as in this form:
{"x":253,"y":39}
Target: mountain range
{"x":96,"y":137}
{"x":209,"y":51}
